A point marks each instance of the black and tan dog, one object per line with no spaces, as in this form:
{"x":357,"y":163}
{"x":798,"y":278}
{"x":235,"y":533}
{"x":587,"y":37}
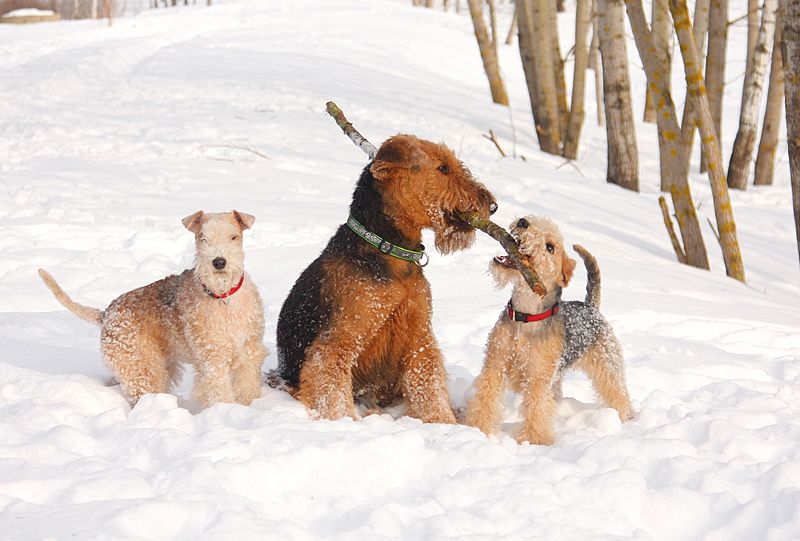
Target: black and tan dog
{"x":357,"y":323}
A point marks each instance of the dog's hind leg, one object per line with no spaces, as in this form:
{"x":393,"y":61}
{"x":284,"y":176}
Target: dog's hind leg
{"x":137,"y":362}
{"x":326,"y":377}
{"x":603,"y":364}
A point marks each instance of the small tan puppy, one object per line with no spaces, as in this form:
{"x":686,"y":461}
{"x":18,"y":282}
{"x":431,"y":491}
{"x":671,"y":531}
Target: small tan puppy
{"x":210,"y":315}
{"x":537,"y":339}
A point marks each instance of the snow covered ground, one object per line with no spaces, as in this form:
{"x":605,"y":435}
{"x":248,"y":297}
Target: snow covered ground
{"x":108,"y":136}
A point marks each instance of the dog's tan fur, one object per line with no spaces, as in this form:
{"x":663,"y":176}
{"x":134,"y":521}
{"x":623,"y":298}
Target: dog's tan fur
{"x":357,"y":322}
{"x":147,"y":333}
{"x":524,"y":356}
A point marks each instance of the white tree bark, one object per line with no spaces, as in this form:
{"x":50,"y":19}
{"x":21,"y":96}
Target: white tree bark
{"x":583,"y":16}
{"x":623,"y":159}
{"x":743,"y":145}
{"x":488,"y":50}
{"x":595,"y":65}
{"x":535,"y":42}
{"x":770,"y":131}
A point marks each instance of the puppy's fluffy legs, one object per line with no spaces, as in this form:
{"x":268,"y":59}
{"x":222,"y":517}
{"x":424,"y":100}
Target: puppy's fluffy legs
{"x":538,"y":406}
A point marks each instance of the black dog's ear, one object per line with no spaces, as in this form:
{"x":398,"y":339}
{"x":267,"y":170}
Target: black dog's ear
{"x":398,"y":153}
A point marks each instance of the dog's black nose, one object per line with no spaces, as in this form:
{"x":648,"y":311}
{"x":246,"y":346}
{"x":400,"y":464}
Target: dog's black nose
{"x":219,"y":263}
{"x":523,"y":223}
{"x":492,"y":208}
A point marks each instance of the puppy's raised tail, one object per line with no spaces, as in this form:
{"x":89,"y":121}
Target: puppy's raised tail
{"x":86,"y":313}
{"x":593,"y":276}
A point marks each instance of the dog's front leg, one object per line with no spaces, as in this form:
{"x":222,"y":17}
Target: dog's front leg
{"x":424,"y":382}
{"x":483,"y":410}
{"x":213,"y":378}
{"x":538,"y":407}
{"x":326,"y":377}
{"x":246,"y":370}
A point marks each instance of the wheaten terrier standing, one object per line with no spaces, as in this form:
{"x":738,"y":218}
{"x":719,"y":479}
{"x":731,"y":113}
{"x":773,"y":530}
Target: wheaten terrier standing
{"x":537,"y":339}
{"x":210,"y":315}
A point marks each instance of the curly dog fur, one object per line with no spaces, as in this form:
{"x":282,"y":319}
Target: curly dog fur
{"x":531,"y":357}
{"x":357,"y":322}
{"x":195,"y":317}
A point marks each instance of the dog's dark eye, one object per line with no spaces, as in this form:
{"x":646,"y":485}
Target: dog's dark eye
{"x":550,"y":247}
{"x":444,"y":169}
{"x":235,"y":237}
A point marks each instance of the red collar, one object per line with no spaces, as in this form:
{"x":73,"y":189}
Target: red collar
{"x":513,"y":315}
{"x":230,"y":292}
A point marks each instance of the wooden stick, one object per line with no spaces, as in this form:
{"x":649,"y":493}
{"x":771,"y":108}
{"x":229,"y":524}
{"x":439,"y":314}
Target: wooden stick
{"x":487,"y":226}
{"x":510,"y":246}
{"x":350,"y":131}
{"x":493,"y":138}
{"x":681,"y":255}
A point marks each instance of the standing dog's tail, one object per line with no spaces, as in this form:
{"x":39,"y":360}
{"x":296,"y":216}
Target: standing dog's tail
{"x":593,"y":276}
{"x":86,"y":313}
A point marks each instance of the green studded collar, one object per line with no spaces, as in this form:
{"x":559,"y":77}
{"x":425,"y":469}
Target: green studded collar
{"x":385,"y":246}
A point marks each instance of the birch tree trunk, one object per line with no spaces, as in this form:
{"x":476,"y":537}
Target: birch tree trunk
{"x":583,"y":14}
{"x":596,"y":65}
{"x":493,"y":23}
{"x":623,"y":160}
{"x":488,"y":51}
{"x":739,"y":167}
{"x":513,"y":28}
{"x":696,"y":89}
{"x":790,"y":48}
{"x":558,"y":66}
{"x":668,"y":129}
{"x":715,"y":66}
{"x":770,"y":130}
{"x":662,"y":40}
{"x":752,"y":34}
{"x":688,"y":123}
{"x":535,"y":43}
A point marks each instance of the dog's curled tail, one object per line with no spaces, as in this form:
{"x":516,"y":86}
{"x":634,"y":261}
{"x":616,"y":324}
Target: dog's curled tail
{"x":593,"y":276}
{"x":86,"y":313}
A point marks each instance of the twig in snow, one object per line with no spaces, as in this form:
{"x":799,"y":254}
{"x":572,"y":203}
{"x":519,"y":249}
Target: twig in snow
{"x":493,"y":138}
{"x":676,"y":245}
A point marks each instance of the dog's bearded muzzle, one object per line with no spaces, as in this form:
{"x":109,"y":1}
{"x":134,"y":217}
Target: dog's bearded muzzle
{"x":453,"y":233}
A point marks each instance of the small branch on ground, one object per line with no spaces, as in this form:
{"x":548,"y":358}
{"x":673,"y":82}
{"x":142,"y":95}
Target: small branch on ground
{"x":493,"y":138}
{"x":714,"y":230}
{"x":487,"y":226}
{"x":676,"y":245}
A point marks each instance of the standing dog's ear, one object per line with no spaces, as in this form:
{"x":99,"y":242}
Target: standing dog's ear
{"x":567,"y":267}
{"x":398,"y":153}
{"x":244,"y":220}
{"x":193,"y":222}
